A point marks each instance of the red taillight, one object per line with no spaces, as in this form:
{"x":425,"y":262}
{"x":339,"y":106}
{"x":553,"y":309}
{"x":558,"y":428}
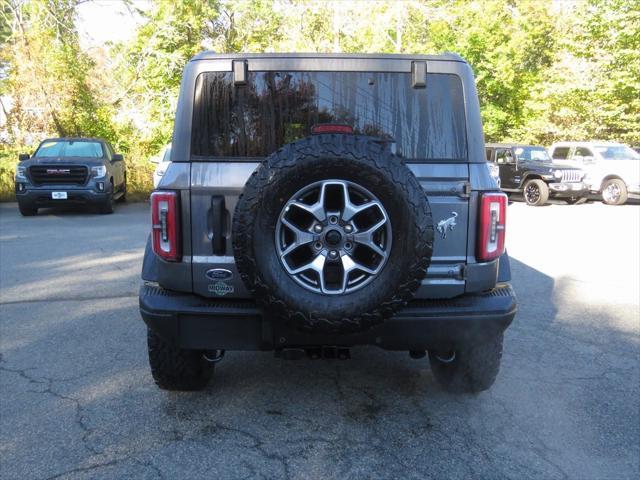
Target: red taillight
{"x":492,"y":226}
{"x":165,"y":221}
{"x":331,"y":128}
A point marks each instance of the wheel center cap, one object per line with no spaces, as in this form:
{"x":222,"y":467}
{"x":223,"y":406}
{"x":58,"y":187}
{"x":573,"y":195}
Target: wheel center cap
{"x":333,"y":237}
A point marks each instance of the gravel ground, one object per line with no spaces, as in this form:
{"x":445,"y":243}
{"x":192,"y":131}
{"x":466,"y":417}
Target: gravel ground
{"x":77,"y":399}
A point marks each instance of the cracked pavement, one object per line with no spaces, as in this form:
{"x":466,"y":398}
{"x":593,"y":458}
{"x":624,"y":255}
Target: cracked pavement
{"x":77,"y":399}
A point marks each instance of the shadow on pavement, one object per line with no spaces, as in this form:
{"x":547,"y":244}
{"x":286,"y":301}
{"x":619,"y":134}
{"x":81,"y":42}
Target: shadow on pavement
{"x":78,"y":397}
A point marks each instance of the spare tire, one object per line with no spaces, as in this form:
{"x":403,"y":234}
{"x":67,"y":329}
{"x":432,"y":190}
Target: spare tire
{"x":333,"y":233}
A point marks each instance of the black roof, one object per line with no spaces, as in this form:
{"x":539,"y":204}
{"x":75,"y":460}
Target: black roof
{"x":447,"y":56}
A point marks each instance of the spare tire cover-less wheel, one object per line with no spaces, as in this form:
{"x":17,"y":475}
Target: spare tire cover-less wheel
{"x":333,"y":233}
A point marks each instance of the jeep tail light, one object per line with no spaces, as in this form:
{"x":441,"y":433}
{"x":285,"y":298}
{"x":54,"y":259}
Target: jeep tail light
{"x":165,"y":221}
{"x":331,"y":128}
{"x":492,"y":226}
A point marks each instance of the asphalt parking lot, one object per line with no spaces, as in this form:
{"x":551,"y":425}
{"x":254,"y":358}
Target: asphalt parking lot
{"x":77,"y":399}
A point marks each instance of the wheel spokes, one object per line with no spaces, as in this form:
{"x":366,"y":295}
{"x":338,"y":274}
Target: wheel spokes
{"x":316,"y":265}
{"x":338,"y":224}
{"x":366,"y":237}
{"x":350,"y":265}
{"x":316,"y":209}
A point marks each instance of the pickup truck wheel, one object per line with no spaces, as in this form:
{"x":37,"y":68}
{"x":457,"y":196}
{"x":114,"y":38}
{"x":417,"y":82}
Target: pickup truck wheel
{"x":107,"y":206}
{"x":614,"y":192}
{"x":123,"y":197}
{"x":333,"y":233}
{"x":470,"y":368}
{"x":177,"y":369}
{"x":536,"y":193}
{"x":26,"y":211}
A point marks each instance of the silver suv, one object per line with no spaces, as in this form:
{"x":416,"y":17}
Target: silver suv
{"x":318,"y":202}
{"x":613,"y":169}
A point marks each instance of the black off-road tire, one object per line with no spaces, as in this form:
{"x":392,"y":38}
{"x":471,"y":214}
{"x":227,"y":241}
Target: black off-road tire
{"x":176,"y":369}
{"x":352,"y":158}
{"x":473,"y":369}
{"x":108,"y":206}
{"x":27,"y":211}
{"x":623,"y":195}
{"x":543,"y":193}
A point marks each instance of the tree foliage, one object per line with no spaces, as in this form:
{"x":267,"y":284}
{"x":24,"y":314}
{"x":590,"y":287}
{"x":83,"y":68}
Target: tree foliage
{"x":545,"y":70}
{"x":47,"y":73}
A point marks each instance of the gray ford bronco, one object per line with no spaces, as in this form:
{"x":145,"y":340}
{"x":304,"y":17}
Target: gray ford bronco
{"x":318,"y":202}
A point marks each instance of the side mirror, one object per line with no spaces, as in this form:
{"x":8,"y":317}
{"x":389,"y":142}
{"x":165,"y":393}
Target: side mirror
{"x":116,"y":157}
{"x":23,"y":156}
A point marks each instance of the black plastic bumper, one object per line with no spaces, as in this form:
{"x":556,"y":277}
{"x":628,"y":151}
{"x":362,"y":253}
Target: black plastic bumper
{"x":190,"y":321}
{"x":75,"y":196}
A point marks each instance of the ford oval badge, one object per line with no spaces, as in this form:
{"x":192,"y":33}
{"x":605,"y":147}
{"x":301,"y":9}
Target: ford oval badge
{"x":219,"y":274}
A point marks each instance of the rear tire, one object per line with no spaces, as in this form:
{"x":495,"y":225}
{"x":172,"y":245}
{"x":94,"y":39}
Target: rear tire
{"x":614,"y":192}
{"x":469,"y":369}
{"x":536,"y":193}
{"x":177,"y":369}
{"x":27,"y":211}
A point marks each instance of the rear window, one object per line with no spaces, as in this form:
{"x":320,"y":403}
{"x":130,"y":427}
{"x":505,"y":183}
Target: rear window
{"x":275,"y":108}
{"x":66,"y":148}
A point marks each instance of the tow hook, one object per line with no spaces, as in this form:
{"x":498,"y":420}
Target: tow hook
{"x":213,"y":356}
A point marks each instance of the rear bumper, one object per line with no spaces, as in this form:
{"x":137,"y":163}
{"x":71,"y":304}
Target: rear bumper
{"x":192,"y":322}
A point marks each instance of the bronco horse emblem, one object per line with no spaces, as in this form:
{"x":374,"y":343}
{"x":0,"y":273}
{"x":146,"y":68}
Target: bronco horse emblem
{"x":448,"y":224}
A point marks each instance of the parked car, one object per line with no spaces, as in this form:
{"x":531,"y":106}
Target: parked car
{"x":527,"y":169}
{"x":494,"y":171}
{"x":319,"y":202}
{"x":613,"y":169}
{"x":70,"y":171}
{"x":163,"y":160}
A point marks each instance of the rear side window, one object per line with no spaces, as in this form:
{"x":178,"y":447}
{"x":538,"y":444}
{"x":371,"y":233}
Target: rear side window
{"x":582,"y":152}
{"x":560,"y":153}
{"x":489,"y":153}
{"x":275,"y":108}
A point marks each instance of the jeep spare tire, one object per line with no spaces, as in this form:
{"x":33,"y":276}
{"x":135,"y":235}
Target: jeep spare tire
{"x":333,"y":233}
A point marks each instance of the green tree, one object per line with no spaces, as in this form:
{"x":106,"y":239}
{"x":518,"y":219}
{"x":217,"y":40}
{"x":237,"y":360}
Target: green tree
{"x":593,"y":88}
{"x":509,"y":46}
{"x":48,"y":73}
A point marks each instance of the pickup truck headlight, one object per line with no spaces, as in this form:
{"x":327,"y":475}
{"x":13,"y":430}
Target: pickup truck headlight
{"x":100,"y":171}
{"x":21,"y":172}
{"x":557,"y":174}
